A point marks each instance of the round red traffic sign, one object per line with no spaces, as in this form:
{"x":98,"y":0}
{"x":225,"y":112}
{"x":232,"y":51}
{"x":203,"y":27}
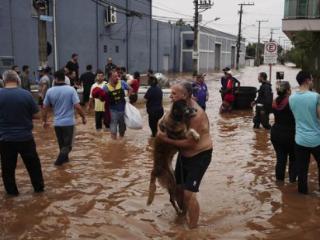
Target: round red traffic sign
{"x":271,"y":47}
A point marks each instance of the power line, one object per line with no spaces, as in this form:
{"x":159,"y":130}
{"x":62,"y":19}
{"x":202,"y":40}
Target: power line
{"x":163,"y":9}
{"x":161,"y":4}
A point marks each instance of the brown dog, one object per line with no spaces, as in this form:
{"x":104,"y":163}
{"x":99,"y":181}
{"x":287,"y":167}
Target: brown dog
{"x":176,"y":125}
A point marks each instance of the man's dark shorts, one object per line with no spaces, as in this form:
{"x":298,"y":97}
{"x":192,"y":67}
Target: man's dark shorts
{"x":189,"y":171}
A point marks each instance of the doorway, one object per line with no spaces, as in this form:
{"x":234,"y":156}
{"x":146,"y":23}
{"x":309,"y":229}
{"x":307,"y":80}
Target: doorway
{"x":233,"y":56}
{"x":217,"y":62}
{"x":166,"y":63}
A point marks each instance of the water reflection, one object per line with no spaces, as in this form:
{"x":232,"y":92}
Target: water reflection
{"x":102,"y":192}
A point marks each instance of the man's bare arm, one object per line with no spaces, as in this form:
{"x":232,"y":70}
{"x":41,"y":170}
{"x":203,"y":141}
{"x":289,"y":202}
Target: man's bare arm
{"x":80,"y":112}
{"x":45,"y":116}
{"x":183,"y":143}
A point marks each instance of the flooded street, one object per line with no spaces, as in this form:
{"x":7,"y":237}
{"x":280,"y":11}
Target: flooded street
{"x":102,"y":192}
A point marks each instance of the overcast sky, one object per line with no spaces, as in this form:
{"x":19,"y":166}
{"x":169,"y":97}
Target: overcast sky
{"x":227,"y":10}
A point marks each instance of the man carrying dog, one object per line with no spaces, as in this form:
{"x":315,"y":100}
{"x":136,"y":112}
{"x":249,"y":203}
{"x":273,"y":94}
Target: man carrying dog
{"x":194,"y":157}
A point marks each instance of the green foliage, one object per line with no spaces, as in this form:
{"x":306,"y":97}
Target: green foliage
{"x":180,"y":22}
{"x":251,"y":51}
{"x":306,"y":53}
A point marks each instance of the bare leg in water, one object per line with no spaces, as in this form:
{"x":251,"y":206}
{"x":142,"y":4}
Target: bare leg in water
{"x":192,"y":208}
{"x":179,"y":198}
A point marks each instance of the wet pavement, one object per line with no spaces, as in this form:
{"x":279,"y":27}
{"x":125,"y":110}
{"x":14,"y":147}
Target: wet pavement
{"x":102,"y":192}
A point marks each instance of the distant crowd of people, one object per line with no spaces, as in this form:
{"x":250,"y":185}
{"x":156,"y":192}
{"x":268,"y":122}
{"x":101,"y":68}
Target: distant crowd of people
{"x":105,"y":92}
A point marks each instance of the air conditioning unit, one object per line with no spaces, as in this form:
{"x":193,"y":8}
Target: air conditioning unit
{"x":110,"y":16}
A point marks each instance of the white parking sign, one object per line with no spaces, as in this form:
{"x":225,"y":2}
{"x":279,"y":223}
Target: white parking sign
{"x":270,"y":53}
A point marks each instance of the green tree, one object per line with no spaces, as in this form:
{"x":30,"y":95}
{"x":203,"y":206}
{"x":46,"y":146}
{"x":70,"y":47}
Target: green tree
{"x":251,"y":51}
{"x":181,"y":22}
{"x":306,"y":54}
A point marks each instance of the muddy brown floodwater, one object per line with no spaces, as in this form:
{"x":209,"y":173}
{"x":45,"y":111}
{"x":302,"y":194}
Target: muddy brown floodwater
{"x":102,"y":192}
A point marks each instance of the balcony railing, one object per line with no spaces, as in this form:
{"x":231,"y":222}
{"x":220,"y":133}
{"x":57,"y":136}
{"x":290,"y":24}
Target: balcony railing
{"x":302,"y":9}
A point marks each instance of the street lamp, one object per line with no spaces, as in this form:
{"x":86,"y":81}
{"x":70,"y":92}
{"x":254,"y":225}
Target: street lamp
{"x":214,"y":20}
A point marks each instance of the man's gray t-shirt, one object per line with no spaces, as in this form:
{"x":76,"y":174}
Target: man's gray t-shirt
{"x":62,"y":99}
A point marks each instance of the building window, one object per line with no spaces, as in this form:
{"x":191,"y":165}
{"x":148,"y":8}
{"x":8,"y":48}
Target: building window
{"x":117,"y":49}
{"x":302,"y":10}
{"x":105,"y":48}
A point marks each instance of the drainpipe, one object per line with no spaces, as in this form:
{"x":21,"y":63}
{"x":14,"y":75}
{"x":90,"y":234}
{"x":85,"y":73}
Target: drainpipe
{"x":97,"y":33}
{"x":127,"y":34}
{"x":157,"y":46}
{"x":12,"y":32}
{"x":55,"y":46}
{"x":150,"y":37}
{"x":174,"y":49}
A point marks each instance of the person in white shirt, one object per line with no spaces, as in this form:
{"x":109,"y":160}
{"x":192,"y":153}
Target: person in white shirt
{"x":99,"y":106}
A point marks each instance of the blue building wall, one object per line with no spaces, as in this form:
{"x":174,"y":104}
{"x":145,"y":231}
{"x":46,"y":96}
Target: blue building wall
{"x":81,"y":29}
{"x":138,"y":43}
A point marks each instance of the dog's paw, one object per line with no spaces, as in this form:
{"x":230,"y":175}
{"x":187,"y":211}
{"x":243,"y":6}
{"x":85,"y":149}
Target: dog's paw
{"x":152,"y":191}
{"x":195,"y":134}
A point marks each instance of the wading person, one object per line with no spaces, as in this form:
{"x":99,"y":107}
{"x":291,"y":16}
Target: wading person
{"x":17,"y":109}
{"x":25,"y":78}
{"x":194,"y":157}
{"x":228,"y":94}
{"x":263,"y":103}
{"x":16,"y":69}
{"x":44,"y":84}
{"x":99,"y":106}
{"x":116,"y":89}
{"x":135,"y":85}
{"x":109,"y":67}
{"x":224,"y":81}
{"x":73,"y":66}
{"x":87,"y":80}
{"x":200,"y":91}
{"x":154,"y":97}
{"x":63,"y":99}
{"x":283,"y":133}
{"x":305,"y":106}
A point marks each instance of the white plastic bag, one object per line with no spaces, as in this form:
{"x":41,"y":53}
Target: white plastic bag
{"x":132,"y":117}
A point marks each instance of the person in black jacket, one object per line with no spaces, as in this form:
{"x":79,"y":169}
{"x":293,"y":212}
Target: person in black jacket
{"x":154,"y":106}
{"x":283,"y":133}
{"x":87,"y":79}
{"x":263,"y":103}
{"x":109,"y":67}
{"x":73,"y":66}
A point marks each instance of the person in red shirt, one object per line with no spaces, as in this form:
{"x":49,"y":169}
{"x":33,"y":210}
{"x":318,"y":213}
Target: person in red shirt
{"x":229,"y":96}
{"x":104,"y":97}
{"x":134,"y":84}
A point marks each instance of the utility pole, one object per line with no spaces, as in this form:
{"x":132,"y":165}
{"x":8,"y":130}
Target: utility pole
{"x":195,"y":54}
{"x":258,"y":45}
{"x":205,"y":5}
{"x":271,"y":40}
{"x":271,"y":33}
{"x":41,"y":7}
{"x":239,"y":34}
